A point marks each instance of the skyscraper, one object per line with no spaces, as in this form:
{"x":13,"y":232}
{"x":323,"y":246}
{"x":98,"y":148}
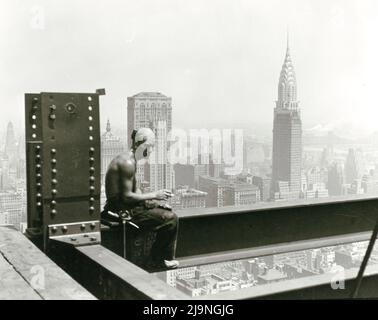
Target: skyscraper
{"x":287,"y":135}
{"x":354,"y":165}
{"x":10,"y":143}
{"x":111,"y":146}
{"x":336,"y":180}
{"x":153,"y":110}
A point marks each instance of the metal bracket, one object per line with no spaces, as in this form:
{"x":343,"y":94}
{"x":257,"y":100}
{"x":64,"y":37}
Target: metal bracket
{"x":76,"y":234}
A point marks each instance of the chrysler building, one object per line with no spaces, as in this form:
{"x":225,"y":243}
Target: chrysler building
{"x":287,"y":136}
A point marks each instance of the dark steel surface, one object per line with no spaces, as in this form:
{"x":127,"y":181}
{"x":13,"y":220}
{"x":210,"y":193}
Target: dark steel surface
{"x":63,"y":159}
{"x":222,"y":229}
{"x":138,"y":243}
{"x":109,"y":276}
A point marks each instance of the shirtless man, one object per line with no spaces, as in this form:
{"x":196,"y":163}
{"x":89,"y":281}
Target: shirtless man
{"x":122,"y":194}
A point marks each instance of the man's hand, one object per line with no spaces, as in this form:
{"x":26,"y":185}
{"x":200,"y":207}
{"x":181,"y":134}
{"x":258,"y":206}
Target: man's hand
{"x":163,"y":194}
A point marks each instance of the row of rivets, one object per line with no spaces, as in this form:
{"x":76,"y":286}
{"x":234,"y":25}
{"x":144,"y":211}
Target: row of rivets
{"x":90,"y":118}
{"x":64,"y":229}
{"x":54,"y":181}
{"x":38,"y":176}
{"x":92,"y":179}
{"x":34,"y":116}
{"x":92,"y":226}
{"x":52,"y":115}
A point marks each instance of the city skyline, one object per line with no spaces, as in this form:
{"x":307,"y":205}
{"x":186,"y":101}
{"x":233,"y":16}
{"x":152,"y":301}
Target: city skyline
{"x":231,"y":44}
{"x":188,"y":150}
{"x":300,"y":163}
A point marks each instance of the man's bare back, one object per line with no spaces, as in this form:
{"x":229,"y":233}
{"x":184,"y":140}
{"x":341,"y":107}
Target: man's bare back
{"x":120,"y":168}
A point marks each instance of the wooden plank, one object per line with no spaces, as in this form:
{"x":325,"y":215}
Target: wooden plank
{"x":40,"y":272}
{"x":12,"y":285}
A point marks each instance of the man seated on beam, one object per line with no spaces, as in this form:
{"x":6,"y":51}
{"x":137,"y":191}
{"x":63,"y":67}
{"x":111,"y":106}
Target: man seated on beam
{"x":123,"y":195}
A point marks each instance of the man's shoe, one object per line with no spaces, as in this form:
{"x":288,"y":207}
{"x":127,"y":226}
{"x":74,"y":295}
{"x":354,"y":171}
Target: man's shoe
{"x":156,"y":266}
{"x":171,"y":264}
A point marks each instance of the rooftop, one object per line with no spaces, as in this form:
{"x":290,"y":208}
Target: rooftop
{"x":149,"y":95}
{"x":272,"y":275}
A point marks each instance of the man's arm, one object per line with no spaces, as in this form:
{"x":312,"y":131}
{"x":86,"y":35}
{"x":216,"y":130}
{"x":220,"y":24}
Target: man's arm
{"x":127,"y":172}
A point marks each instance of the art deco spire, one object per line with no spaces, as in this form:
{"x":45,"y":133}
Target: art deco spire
{"x":287,"y":86}
{"x":10,"y":142}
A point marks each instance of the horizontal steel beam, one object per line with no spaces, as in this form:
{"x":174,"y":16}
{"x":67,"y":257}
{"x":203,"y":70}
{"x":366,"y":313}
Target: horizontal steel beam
{"x":109,"y":276}
{"x":227,"y":234}
{"x":205,"y":231}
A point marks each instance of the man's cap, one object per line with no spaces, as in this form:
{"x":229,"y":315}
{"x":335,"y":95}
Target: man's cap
{"x":143,"y":135}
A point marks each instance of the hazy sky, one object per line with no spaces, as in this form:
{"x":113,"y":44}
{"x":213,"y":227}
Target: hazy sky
{"x":219,"y":60}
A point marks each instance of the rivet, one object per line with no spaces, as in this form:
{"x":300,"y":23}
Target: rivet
{"x":54,"y":212}
{"x":38,"y":176}
{"x":54,"y":229}
{"x":92,"y":179}
{"x":92,"y":188}
{"x":53,"y":151}
{"x":39,"y":204}
{"x":91,"y":199}
{"x":54,"y":171}
{"x":38,"y":157}
{"x":91,"y":169}
{"x":64,"y":228}
{"x":73,"y":239}
{"x":91,"y":159}
{"x":53,"y":161}
{"x":85,"y":236}
{"x":37,"y":148}
{"x":39,"y":185}
{"x":53,"y":107}
{"x":93,"y":225}
{"x":52,"y":116}
{"x":82,"y":227}
{"x":91,"y":209}
{"x":39,"y":195}
{"x":38,"y":167}
{"x":54,"y":191}
{"x":54,"y":181}
{"x":93,"y":238}
{"x":91,"y":149}
{"x":53,"y":203}
{"x":35,"y":108}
